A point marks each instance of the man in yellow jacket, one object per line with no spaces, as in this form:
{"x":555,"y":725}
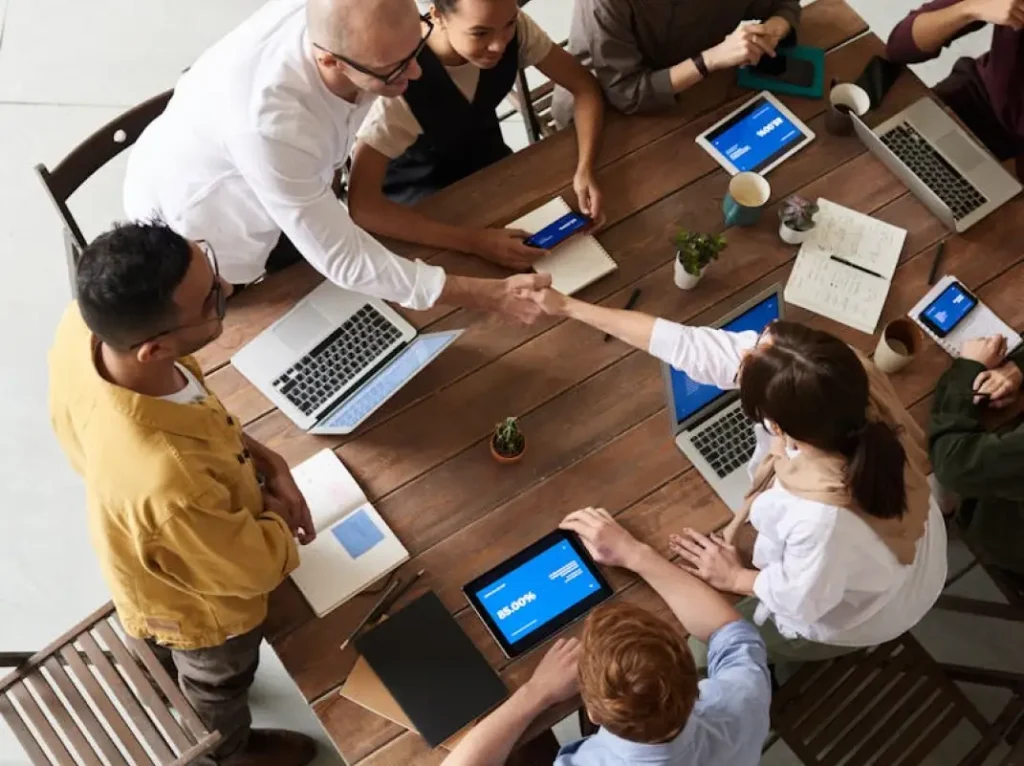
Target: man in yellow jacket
{"x":193,"y":521}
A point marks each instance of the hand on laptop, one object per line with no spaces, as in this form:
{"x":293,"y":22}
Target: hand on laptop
{"x":555,"y":679}
{"x":711,"y":559}
{"x":605,"y":539}
{"x":506,"y":248}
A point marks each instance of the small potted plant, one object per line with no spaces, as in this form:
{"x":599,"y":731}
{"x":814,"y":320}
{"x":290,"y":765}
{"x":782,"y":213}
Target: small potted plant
{"x":693,"y":254}
{"x":796,"y":219}
{"x":508,"y":442}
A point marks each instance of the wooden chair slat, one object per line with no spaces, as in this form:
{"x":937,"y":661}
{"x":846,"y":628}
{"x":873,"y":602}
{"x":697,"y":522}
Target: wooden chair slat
{"x":204,"y":746}
{"x":180,"y":738}
{"x":136,"y":752}
{"x":793,"y":714}
{"x":35,"y":753}
{"x":125,"y":697}
{"x":924,"y":734}
{"x":62,"y":716}
{"x":84,"y":712}
{"x":921,"y":692}
{"x":169,"y":687}
{"x":49,"y":736}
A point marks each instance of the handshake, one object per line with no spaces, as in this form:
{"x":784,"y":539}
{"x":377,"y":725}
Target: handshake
{"x":523,"y":298}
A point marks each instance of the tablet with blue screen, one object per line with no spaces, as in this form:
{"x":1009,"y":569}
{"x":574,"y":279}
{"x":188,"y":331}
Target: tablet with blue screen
{"x":537,"y":592}
{"x":756,"y":137}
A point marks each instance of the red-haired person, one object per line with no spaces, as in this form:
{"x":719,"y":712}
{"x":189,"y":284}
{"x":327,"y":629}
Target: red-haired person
{"x":636,"y":675}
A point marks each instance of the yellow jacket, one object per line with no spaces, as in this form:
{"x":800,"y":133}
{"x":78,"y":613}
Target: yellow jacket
{"x":175,"y":507}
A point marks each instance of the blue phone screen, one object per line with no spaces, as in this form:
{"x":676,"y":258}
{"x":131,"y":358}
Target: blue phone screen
{"x":559,"y":231}
{"x":948,"y":310}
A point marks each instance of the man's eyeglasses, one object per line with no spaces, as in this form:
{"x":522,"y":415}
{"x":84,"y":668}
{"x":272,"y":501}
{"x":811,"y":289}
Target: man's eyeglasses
{"x":397,"y":71}
{"x":215,"y":299}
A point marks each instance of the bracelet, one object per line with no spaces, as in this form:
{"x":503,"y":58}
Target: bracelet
{"x":701,"y":65}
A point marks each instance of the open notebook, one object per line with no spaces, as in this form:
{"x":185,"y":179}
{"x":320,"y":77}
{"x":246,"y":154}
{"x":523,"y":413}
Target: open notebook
{"x":574,"y":264}
{"x":980,"y":323}
{"x":353,"y":547}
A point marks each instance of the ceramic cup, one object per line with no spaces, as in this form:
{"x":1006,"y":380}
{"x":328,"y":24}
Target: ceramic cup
{"x":898,"y":345}
{"x":747,"y":196}
{"x":843,"y":99}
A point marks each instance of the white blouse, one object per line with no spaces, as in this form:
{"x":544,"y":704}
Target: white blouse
{"x":824,"y":574}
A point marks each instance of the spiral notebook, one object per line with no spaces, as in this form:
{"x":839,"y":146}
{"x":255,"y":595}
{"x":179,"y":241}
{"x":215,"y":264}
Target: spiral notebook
{"x":576,"y":263}
{"x":980,"y":323}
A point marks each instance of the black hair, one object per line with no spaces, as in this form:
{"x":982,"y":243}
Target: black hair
{"x":126,"y":280}
{"x":814,"y":387}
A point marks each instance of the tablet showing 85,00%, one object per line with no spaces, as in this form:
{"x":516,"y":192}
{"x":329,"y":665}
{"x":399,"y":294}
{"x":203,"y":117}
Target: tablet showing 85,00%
{"x":516,"y":605}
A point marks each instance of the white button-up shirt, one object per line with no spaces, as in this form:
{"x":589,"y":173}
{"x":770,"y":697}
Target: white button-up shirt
{"x":824,"y":573}
{"x":247,"y":149}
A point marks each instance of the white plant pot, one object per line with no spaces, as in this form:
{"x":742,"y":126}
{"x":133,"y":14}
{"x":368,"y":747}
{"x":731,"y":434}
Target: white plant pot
{"x":792,"y":236}
{"x":685,"y":280}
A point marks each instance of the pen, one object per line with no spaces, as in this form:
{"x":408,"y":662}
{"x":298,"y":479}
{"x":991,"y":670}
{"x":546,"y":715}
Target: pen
{"x":373,"y":612}
{"x":845,"y":262}
{"x":935,"y":262}
{"x":629,"y":304}
{"x":402,"y":591}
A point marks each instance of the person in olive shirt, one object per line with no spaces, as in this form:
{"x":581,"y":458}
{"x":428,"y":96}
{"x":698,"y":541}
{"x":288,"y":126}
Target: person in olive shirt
{"x":983,"y":467}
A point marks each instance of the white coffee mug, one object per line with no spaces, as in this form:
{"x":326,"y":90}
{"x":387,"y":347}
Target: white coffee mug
{"x":897,"y":346}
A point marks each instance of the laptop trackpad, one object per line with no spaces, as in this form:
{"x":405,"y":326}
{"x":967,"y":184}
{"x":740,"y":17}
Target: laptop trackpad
{"x":961,"y":152}
{"x":302,"y":328}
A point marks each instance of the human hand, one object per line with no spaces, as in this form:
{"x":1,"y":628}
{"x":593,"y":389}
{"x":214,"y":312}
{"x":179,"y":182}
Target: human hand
{"x":556,"y":677}
{"x":1004,"y":13}
{"x":987,"y":351}
{"x":511,"y":297}
{"x":999,"y":387}
{"x":605,"y":539}
{"x":711,"y":559}
{"x":744,"y":45}
{"x":282,"y":495}
{"x":588,"y":195}
{"x":551,"y":302}
{"x":506,"y":247}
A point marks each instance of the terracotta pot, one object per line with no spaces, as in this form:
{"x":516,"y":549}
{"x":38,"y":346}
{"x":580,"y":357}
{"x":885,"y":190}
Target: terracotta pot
{"x":504,"y":460}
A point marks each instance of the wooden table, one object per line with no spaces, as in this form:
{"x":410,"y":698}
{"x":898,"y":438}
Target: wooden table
{"x":593,"y":412}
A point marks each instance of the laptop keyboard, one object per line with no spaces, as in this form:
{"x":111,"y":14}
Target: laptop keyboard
{"x":959,"y":194}
{"x":339,"y":359}
{"x":727,"y":443}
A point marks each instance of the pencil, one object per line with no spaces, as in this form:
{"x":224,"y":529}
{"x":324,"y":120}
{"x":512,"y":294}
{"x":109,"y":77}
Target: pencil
{"x":935,"y":262}
{"x":845,"y":262}
{"x":634,"y":296}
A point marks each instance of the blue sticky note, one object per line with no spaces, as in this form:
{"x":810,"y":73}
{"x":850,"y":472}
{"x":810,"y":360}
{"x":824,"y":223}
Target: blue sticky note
{"x":357,"y":533}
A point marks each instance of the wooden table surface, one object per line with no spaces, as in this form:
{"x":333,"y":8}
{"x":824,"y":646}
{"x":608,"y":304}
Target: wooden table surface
{"x":593,"y":412}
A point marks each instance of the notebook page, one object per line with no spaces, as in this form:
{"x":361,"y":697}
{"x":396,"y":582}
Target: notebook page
{"x":575,"y":263}
{"x":328,"y":487}
{"x":834,"y":290}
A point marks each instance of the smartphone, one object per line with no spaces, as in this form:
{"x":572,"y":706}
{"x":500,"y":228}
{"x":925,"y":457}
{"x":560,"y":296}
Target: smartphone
{"x":556,"y":233}
{"x":878,"y":77}
{"x":787,"y":69}
{"x":948,"y":310}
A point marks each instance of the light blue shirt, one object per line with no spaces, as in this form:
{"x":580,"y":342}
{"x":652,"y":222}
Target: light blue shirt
{"x":728,"y":724}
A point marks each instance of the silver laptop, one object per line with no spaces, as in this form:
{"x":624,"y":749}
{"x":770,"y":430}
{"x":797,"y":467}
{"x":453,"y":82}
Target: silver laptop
{"x":335,"y":358}
{"x":947,"y":169}
{"x":708,"y":423}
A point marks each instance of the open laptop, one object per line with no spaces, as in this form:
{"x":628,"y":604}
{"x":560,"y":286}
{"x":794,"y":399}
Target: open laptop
{"x":708,"y":423}
{"x":946,"y":168}
{"x":335,"y":358}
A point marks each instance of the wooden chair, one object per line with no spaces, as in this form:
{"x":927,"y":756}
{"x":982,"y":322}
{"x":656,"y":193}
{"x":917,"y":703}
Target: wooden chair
{"x":890,"y":705}
{"x":88,"y":157}
{"x":93,"y":695}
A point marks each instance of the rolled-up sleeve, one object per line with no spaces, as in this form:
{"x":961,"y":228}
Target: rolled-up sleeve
{"x":901,"y":47}
{"x":738,"y":672}
{"x":286,"y":181}
{"x":708,"y":356}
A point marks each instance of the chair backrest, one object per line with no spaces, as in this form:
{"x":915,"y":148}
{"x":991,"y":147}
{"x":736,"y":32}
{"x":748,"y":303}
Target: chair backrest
{"x":94,"y":694}
{"x":888,"y":705}
{"x":88,"y":157}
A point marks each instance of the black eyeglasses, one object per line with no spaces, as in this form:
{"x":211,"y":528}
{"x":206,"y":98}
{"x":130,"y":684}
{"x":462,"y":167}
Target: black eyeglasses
{"x":215,"y":298}
{"x":399,"y":69}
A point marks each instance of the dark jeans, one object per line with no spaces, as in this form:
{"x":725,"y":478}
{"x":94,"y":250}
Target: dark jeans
{"x":216,"y":682}
{"x":964,"y":93}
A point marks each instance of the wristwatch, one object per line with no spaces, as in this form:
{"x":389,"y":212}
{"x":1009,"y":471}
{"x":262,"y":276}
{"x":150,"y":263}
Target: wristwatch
{"x":702,"y":67}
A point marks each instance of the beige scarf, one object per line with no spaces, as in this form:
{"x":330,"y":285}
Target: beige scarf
{"x":822,"y":478}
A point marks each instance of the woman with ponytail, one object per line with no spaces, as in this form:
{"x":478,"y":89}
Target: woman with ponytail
{"x":850,"y":548}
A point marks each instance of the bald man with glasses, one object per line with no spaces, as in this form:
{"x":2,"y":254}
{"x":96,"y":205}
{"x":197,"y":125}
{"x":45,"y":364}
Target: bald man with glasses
{"x":245,"y":154}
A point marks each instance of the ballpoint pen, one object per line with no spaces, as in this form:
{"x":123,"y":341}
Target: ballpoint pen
{"x":845,"y":262}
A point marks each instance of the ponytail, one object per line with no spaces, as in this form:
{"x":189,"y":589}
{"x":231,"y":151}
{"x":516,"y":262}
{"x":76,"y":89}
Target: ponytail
{"x":875,"y":471}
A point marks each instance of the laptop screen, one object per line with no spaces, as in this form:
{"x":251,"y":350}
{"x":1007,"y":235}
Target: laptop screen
{"x":689,"y":397}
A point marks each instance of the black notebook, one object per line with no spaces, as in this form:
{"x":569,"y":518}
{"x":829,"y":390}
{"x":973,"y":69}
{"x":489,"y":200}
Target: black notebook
{"x":432,"y":669}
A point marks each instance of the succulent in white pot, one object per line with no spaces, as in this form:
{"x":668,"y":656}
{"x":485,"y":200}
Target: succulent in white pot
{"x":796,"y":219}
{"x":693,"y":254}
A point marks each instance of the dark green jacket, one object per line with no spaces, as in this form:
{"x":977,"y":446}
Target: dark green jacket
{"x":980,"y":466}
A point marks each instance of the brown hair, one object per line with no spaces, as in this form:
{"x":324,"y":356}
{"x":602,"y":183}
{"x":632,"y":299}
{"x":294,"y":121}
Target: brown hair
{"x":637,"y":676}
{"x":814,"y":387}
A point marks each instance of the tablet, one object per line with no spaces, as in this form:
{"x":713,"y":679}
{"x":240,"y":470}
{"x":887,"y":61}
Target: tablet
{"x":537,"y":592}
{"x":756,"y":137}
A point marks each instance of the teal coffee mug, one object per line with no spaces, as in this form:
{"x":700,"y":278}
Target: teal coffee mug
{"x":747,"y":196}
